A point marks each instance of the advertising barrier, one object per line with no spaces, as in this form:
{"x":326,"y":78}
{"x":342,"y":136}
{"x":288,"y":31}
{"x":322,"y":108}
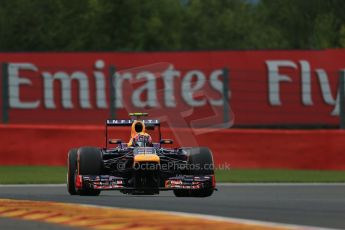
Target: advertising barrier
{"x":51,"y":102}
{"x":241,"y":88}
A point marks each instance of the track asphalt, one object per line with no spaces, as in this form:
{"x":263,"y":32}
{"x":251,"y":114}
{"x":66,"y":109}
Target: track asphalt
{"x":320,"y":205}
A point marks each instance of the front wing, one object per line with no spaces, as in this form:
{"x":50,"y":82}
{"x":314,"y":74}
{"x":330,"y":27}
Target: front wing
{"x":107,"y":182}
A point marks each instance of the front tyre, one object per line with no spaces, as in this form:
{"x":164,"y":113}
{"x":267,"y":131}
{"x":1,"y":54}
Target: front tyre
{"x":200,"y":160}
{"x":71,"y":169}
{"x":182,"y":193}
{"x":90,"y":163}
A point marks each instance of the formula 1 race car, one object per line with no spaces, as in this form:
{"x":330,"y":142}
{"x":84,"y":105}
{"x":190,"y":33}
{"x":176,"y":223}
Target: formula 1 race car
{"x":141,"y":166}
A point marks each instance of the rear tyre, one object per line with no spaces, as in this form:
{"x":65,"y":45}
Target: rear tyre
{"x":71,"y":169}
{"x":200,"y":160}
{"x":90,"y":163}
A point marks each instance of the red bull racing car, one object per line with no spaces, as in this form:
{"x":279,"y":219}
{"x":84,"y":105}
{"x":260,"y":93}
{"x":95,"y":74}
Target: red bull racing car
{"x":141,"y":166}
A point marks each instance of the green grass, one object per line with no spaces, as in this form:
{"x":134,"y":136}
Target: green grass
{"x":47,"y":175}
{"x":32,"y":174}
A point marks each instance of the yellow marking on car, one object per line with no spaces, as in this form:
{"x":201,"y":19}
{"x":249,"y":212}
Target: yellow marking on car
{"x":146,"y":158}
{"x":92,"y":217}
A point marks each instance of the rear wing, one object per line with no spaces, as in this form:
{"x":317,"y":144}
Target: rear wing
{"x":130,"y":122}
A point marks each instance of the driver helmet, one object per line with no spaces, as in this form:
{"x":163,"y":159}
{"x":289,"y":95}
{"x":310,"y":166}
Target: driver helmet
{"x":142,"y":140}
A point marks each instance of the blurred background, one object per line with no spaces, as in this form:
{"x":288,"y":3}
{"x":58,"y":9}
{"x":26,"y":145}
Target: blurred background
{"x":264,"y":77}
{"x":171,"y":25}
{"x":259,"y":82}
{"x":283,"y":61}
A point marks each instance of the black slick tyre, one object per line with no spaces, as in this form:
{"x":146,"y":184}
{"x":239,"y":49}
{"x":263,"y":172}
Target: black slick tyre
{"x":200,"y":161}
{"x":90,"y":163}
{"x":71,"y":169}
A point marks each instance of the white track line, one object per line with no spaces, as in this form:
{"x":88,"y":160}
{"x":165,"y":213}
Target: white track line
{"x":31,"y":185}
{"x":218,"y":184}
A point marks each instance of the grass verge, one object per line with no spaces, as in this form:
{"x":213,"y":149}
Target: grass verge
{"x":51,"y":175}
{"x":32,"y":174}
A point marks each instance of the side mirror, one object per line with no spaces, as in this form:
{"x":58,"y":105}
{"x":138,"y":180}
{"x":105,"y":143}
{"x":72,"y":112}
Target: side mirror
{"x":114,"y":141}
{"x":166,"y":141}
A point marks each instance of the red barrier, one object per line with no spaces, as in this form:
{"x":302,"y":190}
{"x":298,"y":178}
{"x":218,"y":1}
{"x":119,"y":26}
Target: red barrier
{"x":289,"y":149}
{"x":277,"y":87}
